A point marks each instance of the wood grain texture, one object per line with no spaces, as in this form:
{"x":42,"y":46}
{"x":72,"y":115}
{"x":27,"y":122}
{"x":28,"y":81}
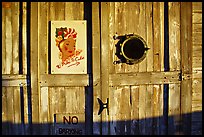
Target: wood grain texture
{"x":34,"y":66}
{"x":186,"y":66}
{"x":96,"y":67}
{"x":43,"y":37}
{"x":15,"y":35}
{"x":105,"y":8}
{"x":24,"y":37}
{"x":196,"y":121}
{"x":144,"y":78}
{"x":8,"y":41}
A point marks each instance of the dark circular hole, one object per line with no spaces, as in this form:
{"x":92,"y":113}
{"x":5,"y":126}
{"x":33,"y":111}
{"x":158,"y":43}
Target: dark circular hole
{"x":134,"y":48}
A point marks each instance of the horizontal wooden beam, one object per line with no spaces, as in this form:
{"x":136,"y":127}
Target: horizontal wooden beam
{"x":9,"y":80}
{"x":58,"y":80}
{"x":144,"y":78}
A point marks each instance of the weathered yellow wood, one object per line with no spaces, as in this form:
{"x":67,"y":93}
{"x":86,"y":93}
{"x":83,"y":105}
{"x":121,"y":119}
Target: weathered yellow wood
{"x":10,"y":108}
{"x":120,"y":110}
{"x":197,"y":75}
{"x":144,"y":78}
{"x":197,"y":51}
{"x":3,"y":40}
{"x":186,"y":65}
{"x":197,"y":7}
{"x":112,"y":32}
{"x":96,"y":67}
{"x":8,"y":41}
{"x":149,"y":91}
{"x":34,"y":65}
{"x":43,"y":37}
{"x":13,"y":76}
{"x":14,"y":80}
{"x":25,"y":107}
{"x":4,"y":111}
{"x":74,"y":10}
{"x":134,"y":91}
{"x":197,"y":28}
{"x":105,"y":8}
{"x":196,"y":121}
{"x":196,"y":37}
{"x":197,"y":18}
{"x":174,"y":36}
{"x":174,"y":109}
{"x":24,"y":37}
{"x":15,"y":35}
{"x":44,"y":110}
{"x":158,"y":16}
{"x":17,"y":111}
{"x":52,"y":108}
{"x":64,"y":80}
{"x":142,"y":68}
{"x":174,"y":62}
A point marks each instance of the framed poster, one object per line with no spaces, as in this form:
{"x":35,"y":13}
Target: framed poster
{"x":68,"y":47}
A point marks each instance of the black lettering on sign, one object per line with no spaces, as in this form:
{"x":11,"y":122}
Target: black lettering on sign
{"x":72,"y":131}
{"x":71,"y":120}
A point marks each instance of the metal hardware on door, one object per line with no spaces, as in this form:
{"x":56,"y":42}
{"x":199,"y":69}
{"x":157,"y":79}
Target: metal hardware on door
{"x":103,"y":106}
{"x":130,"y":49}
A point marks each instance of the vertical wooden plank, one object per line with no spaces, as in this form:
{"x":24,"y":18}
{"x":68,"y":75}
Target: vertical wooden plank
{"x":69,"y":11}
{"x":105,"y":8}
{"x":24,"y":37}
{"x":10,"y":109}
{"x":25,"y":102}
{"x":174,"y":119}
{"x":4,"y":40}
{"x":174,"y":36}
{"x":34,"y":65}
{"x":44,"y":110}
{"x":186,"y":65}
{"x":59,"y":10}
{"x":196,"y":122}
{"x":15,"y":35}
{"x":120,"y":28}
{"x":162,"y":123}
{"x":142,"y":68}
{"x":4,"y":112}
{"x":52,"y":108}
{"x":149,"y":92}
{"x":8,"y":41}
{"x":111,"y":34}
{"x":96,"y":67}
{"x":174,"y":62}
{"x":134,"y":91}
{"x":120,"y":112}
{"x":43,"y":65}
{"x":43,"y":37}
{"x":157,"y":61}
{"x":60,"y":15}
{"x":74,"y":10}
{"x":17,"y":112}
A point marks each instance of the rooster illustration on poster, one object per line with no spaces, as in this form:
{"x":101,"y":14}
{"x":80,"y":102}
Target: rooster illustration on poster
{"x":68,"y":48}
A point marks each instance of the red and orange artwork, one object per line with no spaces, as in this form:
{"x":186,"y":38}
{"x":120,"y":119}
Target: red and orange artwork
{"x":66,"y":42}
{"x":68,"y":47}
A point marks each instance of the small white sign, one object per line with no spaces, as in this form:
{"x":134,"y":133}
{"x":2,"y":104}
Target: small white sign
{"x":68,"y":47}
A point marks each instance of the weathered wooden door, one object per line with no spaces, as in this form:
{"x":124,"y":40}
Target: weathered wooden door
{"x":148,"y":97}
{"x":62,"y":97}
{"x":154,"y":96}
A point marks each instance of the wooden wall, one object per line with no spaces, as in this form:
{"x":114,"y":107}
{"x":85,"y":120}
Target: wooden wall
{"x":197,"y":68}
{"x":135,"y":92}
